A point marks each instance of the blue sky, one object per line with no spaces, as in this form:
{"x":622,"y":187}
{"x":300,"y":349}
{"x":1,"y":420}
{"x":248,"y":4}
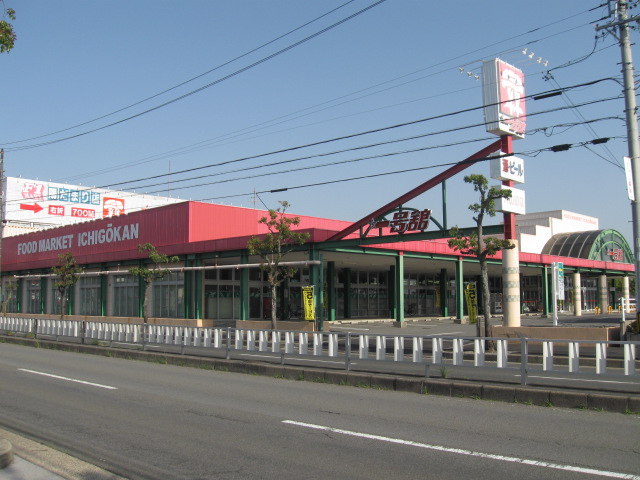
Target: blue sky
{"x":96,"y":71}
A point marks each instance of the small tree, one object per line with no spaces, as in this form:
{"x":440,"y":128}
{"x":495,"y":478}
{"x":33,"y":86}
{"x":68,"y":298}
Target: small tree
{"x":479,"y":245}
{"x":11,"y":287}
{"x":149,"y":275}
{"x":7,"y":35}
{"x":273,"y":247}
{"x":67,"y":272}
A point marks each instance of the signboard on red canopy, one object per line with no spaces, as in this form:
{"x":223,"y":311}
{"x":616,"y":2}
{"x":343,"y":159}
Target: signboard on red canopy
{"x":504,"y":98}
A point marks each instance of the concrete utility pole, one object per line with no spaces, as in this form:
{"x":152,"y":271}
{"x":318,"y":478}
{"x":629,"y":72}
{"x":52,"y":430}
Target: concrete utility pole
{"x":631,"y":110}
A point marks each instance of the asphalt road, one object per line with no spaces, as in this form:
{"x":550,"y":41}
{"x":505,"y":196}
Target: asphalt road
{"x":143,"y":420}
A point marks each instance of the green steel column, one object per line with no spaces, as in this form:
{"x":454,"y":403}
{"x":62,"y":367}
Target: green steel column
{"x":244,"y":288}
{"x":331,"y":293}
{"x":141,"y":286}
{"x":399,"y":280}
{"x":321,"y":293}
{"x":460,"y":289}
{"x":71,"y":299}
{"x":19,"y":286}
{"x":546,"y":294}
{"x":188,"y":275}
{"x":391,"y":292}
{"x":315,"y":278}
{"x":104,"y":286}
{"x":43,"y":295}
{"x":197,"y":289}
{"x":444,"y":292}
{"x":347,"y":293}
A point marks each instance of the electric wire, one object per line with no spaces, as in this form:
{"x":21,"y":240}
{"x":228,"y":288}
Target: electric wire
{"x":200,"y":89}
{"x":344,"y":137}
{"x":531,"y":153}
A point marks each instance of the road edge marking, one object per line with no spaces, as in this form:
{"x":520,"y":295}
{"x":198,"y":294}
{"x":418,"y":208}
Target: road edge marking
{"x":460,"y":451}
{"x":108,"y":387}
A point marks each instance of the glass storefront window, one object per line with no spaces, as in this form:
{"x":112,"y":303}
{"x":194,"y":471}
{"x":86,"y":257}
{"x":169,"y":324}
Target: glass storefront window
{"x":89,"y":289}
{"x":168,"y":296}
{"x":55,"y":298}
{"x":9,"y":288}
{"x":125,"y":301}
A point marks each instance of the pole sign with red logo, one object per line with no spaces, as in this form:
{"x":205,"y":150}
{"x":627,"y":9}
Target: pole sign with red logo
{"x":504,"y":98}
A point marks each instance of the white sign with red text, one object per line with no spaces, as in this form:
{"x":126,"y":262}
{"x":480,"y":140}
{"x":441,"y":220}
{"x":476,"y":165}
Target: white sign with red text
{"x":504,"y":98}
{"x":508,"y":168}
{"x":46,"y":204}
{"x":515,"y":204}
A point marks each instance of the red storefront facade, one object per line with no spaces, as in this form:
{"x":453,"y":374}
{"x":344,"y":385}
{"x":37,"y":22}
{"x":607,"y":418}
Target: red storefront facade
{"x":356,"y":278}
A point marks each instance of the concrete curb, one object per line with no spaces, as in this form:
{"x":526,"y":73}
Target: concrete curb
{"x":456,"y":388}
{"x":6,"y":453}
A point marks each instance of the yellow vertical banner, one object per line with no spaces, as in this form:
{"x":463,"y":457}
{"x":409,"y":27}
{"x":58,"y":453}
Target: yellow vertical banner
{"x":307,"y":298}
{"x":472,"y":302}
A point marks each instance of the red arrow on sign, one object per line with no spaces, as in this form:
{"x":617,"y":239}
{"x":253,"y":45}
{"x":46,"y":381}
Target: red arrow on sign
{"x":35,"y":207}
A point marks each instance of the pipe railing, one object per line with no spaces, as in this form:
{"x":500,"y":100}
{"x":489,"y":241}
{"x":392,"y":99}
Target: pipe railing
{"x":434,"y":350}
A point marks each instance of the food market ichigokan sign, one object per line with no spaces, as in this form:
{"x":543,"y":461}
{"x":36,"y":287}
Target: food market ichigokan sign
{"x":110,"y":234}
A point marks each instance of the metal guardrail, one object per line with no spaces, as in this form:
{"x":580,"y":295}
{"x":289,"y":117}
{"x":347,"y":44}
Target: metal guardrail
{"x":439,"y":351}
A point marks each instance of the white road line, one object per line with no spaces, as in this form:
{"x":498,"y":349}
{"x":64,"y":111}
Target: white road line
{"x":68,"y":379}
{"x":460,"y":451}
{"x":449,"y":333}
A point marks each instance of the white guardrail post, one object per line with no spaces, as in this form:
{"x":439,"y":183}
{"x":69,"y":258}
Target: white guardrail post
{"x":478,"y":352}
{"x":289,"y":342}
{"x":381,"y":347}
{"x":363,"y":347}
{"x":458,"y":351}
{"x":502,"y":356}
{"x":398,"y":349}
{"x":574,"y":357}
{"x":303,"y":343}
{"x":436,"y":350}
{"x":418,"y":347}
{"x":629,"y":359}
{"x":547,"y":356}
{"x":601,"y":358}
{"x":317,"y":344}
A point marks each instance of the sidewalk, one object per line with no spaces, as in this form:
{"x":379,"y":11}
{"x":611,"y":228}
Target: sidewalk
{"x":35,"y":461}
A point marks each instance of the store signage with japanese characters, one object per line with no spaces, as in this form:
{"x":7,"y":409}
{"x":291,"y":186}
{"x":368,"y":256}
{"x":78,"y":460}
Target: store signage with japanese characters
{"x":508,"y":168}
{"x":617,"y":254}
{"x":406,"y":221}
{"x":504,"y":98}
{"x":515,"y":204}
{"x":50,"y":203}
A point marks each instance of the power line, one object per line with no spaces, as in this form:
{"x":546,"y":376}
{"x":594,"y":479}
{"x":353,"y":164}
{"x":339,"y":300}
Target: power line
{"x":441,"y":63}
{"x":350,"y":136}
{"x":297,"y":159}
{"x":408,"y":170}
{"x":200,"y":89}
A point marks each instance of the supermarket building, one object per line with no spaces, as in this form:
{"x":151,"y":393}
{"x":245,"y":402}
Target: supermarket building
{"x":377,"y":275}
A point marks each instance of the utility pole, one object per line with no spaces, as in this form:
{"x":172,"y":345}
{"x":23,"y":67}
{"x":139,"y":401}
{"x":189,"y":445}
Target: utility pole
{"x":631,"y":110}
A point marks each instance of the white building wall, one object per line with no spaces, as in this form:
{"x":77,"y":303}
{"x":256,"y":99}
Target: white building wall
{"x":535,"y":229}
